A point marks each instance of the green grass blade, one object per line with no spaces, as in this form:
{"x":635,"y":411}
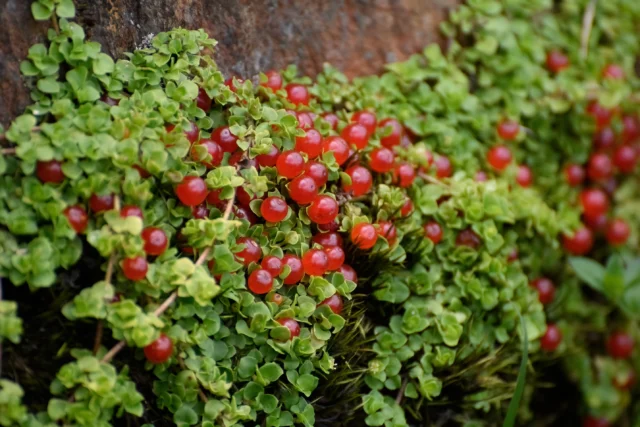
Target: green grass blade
{"x":512,"y":412}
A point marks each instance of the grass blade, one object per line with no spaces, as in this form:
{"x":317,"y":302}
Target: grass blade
{"x":514,"y":405}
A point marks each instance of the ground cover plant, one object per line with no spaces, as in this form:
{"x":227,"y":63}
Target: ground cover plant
{"x":453,"y":242}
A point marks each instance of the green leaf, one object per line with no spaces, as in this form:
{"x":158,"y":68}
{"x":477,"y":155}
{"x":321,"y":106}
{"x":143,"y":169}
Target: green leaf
{"x":613,"y":281}
{"x":66,"y":9}
{"x":271,"y":372}
{"x":589,"y":271}
{"x":40,"y":12}
{"x":185,"y":415}
{"x":103,"y":64}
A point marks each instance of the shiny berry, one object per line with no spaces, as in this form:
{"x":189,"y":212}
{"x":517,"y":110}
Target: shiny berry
{"x":592,"y":421}
{"x":332,"y":119}
{"x":77,"y":217}
{"x":272,"y":264}
{"x":328,"y":228}
{"x":200,"y":211}
{"x":323,"y":210}
{"x":213,"y":198}
{"x":604,"y":139}
{"x":557,"y":61}
{"x":364,"y":235}
{"x":317,"y":171}
{"x":192,"y":132}
{"x":225,"y":139}
{"x":355,"y":134}
{"x":250,"y":253}
{"x":203,"y":101}
{"x":404,"y":175}
{"x":468,"y":238}
{"x":574,"y":174}
{"x":260,"y":282}
{"x":600,"y":167}
{"x":274,"y":209}
{"x":130,"y":210}
{"x":551,"y":338}
{"x":244,"y":198}
{"x":276,"y":299}
{"x":155,"y":241}
{"x":298,"y":94}
{"x":367,"y":119}
{"x":433,"y":231}
{"x":524,"y":176}
{"x":620,"y":345}
{"x":338,"y":147}
{"x":297,"y":270}
{"x":630,"y":129}
{"x":499,"y":157}
{"x":246,"y":214}
{"x":101,"y":203}
{"x":315,"y":262}
{"x":444,"y":169}
{"x":361,"y":181}
{"x":596,"y":224}
{"x":618,"y":232}
{"x":233,"y":83}
{"x":579,"y":243}
{"x":407,"y":208}
{"x":160,"y":350}
{"x":274,"y":80}
{"x":292,"y":325}
{"x":613,"y":72}
{"x":327,"y":239}
{"x":311,"y":143}
{"x":334,"y":302}
{"x":392,"y":139}
{"x":481,"y":176}
{"x":387,"y":230}
{"x":335,"y":257}
{"x":382,"y":160}
{"x":192,"y":191}
{"x":594,"y":202}
{"x":269,"y":159}
{"x":290,"y":164}
{"x":303,"y":189}
{"x":600,"y":114}
{"x":348,"y":272}
{"x":135,"y":268}
{"x":50,"y":172}
{"x":546,"y":289}
{"x":213,"y":149}
{"x":625,"y":158}
{"x":508,"y":129}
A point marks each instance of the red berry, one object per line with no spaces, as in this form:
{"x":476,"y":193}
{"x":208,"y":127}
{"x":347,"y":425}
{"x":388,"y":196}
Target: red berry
{"x":355,"y":134}
{"x":394,"y":138}
{"x":327,"y":239}
{"x":481,"y":176}
{"x":101,"y":203}
{"x":192,"y":132}
{"x":513,"y":255}
{"x":303,"y":189}
{"x":546,"y":289}
{"x":604,"y":139}
{"x":200,"y":211}
{"x":364,"y":235}
{"x":592,"y":421}
{"x":404,"y":175}
{"x":348,"y":272}
{"x":332,"y":119}
{"x":551,"y":338}
{"x":323,"y":210}
{"x":335,"y":257}
{"x":203,"y":101}
{"x":298,"y":94}
{"x":213,"y":149}
{"x":77,"y":217}
{"x":246,"y":214}
{"x":334,"y":302}
{"x":328,"y":228}
{"x":382,"y":160}
{"x":297,"y":271}
{"x":274,"y":80}
{"x":142,"y":172}
{"x":274,"y":209}
{"x":630,"y":129}
{"x":433,"y":231}
{"x":160,"y":350}
{"x":361,"y":181}
{"x":213,"y":198}
{"x":613,"y":72}
{"x":618,"y":232}
{"x":407,"y":208}
{"x":50,"y":172}
{"x":272,"y":264}
{"x":192,"y":191}
{"x":594,"y":202}
{"x":367,"y":119}
{"x":135,"y":268}
{"x":601,"y":115}
{"x":499,"y":157}
{"x":387,"y":230}
{"x":243,"y":198}
{"x":311,"y":143}
{"x":290,"y":164}
{"x":338,"y":147}
{"x":596,"y":224}
{"x":620,"y":345}
{"x":557,"y":61}
{"x":468,"y":238}
{"x":250,"y":253}
{"x":260,"y":282}
{"x":225,"y":139}
{"x":292,"y":325}
{"x":269,"y":159}
{"x":315,"y":262}
{"x":600,"y":167}
{"x":444,"y":169}
{"x":625,"y":158}
{"x":231,"y":84}
{"x":277,"y":299}
{"x":579,"y":243}
{"x":130,"y":210}
{"x":508,"y":129}
{"x":574,"y":174}
{"x":317,"y":171}
{"x":155,"y":241}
